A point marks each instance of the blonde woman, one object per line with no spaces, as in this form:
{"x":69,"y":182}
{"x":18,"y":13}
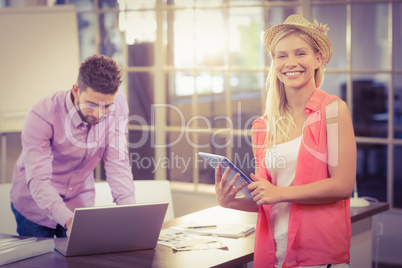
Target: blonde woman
{"x":302,"y":203}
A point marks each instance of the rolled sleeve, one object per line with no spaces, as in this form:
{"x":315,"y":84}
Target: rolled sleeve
{"x":62,"y":214}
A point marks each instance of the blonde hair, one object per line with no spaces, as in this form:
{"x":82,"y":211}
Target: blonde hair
{"x":278,"y":114}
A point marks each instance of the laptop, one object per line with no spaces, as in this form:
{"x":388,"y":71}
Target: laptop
{"x":109,"y":229}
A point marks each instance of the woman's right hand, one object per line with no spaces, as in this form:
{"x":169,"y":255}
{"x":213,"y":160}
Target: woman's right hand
{"x":225,"y":191}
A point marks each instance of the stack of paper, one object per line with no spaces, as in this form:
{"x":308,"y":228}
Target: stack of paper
{"x":223,"y":230}
{"x":15,"y":249}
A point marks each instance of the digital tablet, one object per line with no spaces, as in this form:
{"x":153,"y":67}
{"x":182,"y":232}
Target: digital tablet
{"x":213,"y":161}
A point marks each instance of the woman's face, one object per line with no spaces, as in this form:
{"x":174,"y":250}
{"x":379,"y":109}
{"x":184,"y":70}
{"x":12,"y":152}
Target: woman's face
{"x":295,"y":62}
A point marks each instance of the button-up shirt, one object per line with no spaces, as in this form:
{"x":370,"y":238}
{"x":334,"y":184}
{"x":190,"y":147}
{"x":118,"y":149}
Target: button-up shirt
{"x":55,"y":171}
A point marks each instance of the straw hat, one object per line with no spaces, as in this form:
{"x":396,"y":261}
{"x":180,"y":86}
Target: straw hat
{"x":316,"y":31}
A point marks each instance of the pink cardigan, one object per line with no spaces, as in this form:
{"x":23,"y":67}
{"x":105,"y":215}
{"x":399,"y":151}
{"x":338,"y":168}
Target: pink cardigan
{"x":317,"y":234}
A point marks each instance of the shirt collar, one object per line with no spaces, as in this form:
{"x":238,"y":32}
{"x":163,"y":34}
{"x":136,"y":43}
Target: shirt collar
{"x":315,"y":101}
{"x":72,"y":111}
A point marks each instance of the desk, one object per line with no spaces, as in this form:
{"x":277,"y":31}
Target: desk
{"x":362,"y":213}
{"x":240,"y":250}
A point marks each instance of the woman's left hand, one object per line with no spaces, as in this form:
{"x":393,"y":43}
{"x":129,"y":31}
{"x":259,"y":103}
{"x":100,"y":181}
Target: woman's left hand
{"x":263,"y":191}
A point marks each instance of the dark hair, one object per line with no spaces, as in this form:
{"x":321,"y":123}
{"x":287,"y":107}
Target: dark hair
{"x":101,"y":73}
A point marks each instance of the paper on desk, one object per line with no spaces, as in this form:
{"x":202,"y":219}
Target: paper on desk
{"x":223,"y":230}
{"x":11,"y":243}
{"x":180,"y":241}
{"x":15,"y":249}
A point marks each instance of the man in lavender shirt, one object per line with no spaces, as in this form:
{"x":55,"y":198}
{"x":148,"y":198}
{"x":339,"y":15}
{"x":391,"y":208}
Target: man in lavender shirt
{"x":64,"y":138}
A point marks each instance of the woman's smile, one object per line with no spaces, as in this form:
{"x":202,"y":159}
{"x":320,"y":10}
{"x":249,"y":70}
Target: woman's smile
{"x":293,"y":74}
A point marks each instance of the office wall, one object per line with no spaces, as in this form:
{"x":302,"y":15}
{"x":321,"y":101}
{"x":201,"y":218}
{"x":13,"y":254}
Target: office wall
{"x":39,"y":56}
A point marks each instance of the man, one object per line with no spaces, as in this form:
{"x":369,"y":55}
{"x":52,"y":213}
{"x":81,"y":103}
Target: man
{"x":64,"y":138}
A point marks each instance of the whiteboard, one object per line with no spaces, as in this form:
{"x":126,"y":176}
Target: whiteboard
{"x":39,"y":55}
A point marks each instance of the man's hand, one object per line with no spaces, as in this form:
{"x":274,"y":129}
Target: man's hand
{"x":68,"y":226}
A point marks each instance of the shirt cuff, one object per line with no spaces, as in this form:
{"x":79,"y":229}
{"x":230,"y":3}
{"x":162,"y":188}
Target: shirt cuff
{"x":126,"y":201}
{"x":62,"y":215}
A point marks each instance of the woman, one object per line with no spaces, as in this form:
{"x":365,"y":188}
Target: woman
{"x":303,"y":202}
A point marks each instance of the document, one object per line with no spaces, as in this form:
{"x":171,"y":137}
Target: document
{"x":181,"y":241}
{"x":223,"y":230}
{"x":15,"y":249}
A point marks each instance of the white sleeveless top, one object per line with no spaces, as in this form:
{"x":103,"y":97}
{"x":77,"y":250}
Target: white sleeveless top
{"x":281,"y":162}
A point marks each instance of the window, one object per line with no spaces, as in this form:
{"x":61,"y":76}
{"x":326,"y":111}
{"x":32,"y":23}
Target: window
{"x":215,"y":81}
{"x":365,"y":72}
